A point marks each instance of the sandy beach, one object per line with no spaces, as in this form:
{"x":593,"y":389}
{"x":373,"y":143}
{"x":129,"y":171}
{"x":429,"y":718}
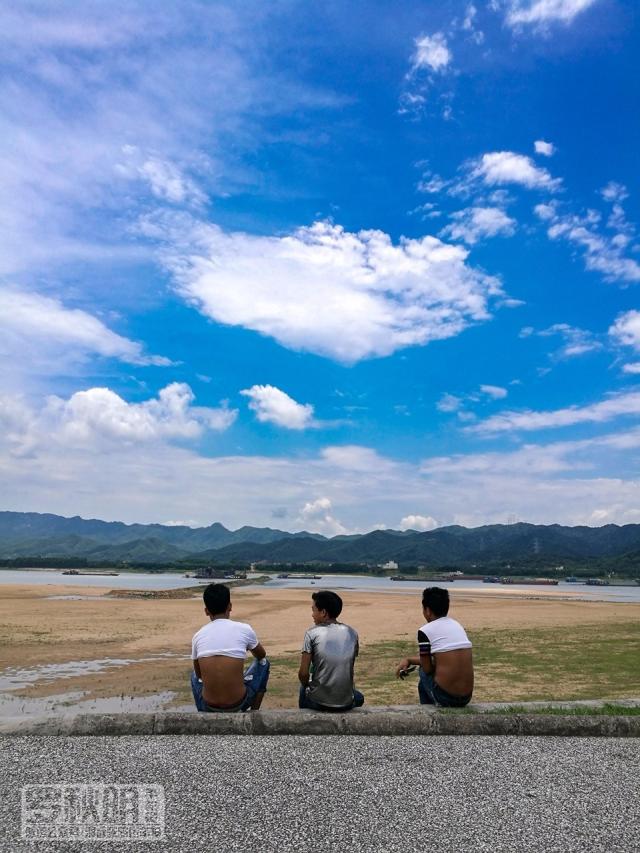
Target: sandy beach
{"x":87,"y":625}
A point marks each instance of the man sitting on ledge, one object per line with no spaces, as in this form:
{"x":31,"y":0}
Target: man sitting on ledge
{"x":445,"y":660}
{"x":218,"y":650}
{"x":329,"y":651}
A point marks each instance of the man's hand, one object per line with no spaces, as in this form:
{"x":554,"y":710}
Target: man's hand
{"x":404,"y":664}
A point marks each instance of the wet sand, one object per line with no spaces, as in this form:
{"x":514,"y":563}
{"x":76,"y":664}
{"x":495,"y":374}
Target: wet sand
{"x":36,"y":629}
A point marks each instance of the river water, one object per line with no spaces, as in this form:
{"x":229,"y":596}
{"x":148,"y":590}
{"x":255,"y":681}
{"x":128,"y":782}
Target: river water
{"x":355,"y":582}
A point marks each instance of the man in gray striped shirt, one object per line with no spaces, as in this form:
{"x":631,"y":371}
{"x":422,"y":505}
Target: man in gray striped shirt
{"x":329,"y":651}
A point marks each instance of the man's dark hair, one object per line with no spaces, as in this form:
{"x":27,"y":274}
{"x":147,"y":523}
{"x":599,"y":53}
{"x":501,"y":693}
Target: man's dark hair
{"x":437,"y":600}
{"x":216,"y":598}
{"x":329,"y":601}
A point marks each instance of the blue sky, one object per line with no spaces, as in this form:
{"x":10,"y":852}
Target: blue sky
{"x":328,"y":268}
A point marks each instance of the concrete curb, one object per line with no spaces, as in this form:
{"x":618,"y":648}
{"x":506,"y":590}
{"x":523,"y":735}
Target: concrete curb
{"x":393,"y":720}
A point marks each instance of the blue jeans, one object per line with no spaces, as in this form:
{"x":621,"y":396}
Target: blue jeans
{"x":432,"y":694}
{"x":305,"y":702}
{"x":255,"y":681}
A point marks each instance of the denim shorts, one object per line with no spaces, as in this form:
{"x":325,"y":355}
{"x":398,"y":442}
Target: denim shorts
{"x":256,"y":677}
{"x":432,"y":694}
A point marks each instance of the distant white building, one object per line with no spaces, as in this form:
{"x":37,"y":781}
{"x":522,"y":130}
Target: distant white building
{"x":390,"y":565}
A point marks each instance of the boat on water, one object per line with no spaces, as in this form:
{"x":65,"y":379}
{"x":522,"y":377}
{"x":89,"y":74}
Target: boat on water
{"x":91,"y":574}
{"x":596,"y":582}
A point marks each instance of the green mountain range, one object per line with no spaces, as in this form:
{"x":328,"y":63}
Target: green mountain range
{"x":46,"y":535}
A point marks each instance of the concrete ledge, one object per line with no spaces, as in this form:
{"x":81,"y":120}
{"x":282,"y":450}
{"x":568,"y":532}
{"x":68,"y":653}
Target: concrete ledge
{"x":392,"y":720}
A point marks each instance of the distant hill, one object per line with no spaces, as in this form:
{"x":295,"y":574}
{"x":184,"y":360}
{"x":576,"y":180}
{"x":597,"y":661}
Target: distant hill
{"x":32,"y":533}
{"x":46,"y":535}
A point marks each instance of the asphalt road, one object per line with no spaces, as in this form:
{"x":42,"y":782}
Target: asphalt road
{"x":349,"y":793}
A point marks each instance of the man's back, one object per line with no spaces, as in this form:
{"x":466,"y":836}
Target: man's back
{"x":333,"y":648}
{"x":220,"y":648}
{"x":450,"y":649}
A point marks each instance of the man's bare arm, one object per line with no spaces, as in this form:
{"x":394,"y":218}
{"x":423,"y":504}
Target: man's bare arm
{"x":305,"y":668}
{"x":259,"y":652}
{"x":196,"y":668}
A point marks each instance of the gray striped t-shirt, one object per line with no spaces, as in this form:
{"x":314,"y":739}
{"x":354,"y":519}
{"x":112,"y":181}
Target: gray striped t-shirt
{"x":333,"y":649}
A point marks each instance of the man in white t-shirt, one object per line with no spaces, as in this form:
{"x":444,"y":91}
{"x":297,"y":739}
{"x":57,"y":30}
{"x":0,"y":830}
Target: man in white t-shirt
{"x":218,"y":650}
{"x":445,"y":659}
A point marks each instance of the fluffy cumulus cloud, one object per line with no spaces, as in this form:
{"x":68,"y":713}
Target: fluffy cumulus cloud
{"x":499,"y":168}
{"x":615,"y":406}
{"x":316,"y":517}
{"x":418,"y":522}
{"x":40,"y":329}
{"x":475,"y":223}
{"x":534,"y":12}
{"x":271,"y":405}
{"x":431,"y":52}
{"x":545,"y":148}
{"x":305,"y":289}
{"x":99,"y":416}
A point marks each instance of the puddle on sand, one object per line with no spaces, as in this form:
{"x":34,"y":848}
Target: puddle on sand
{"x":15,"y":679}
{"x":18,"y":706}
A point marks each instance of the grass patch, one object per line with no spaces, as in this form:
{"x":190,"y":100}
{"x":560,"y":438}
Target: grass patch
{"x":606,"y":710}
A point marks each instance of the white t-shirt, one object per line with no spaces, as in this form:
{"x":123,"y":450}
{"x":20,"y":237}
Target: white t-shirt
{"x":442,"y":635}
{"x":223,"y":637}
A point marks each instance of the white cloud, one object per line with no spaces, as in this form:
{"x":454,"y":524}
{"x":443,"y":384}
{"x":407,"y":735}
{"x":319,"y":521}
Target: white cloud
{"x":617,"y":405}
{"x":431,"y":52}
{"x":40,"y":331}
{"x":632,"y":367}
{"x":614,"y":192}
{"x":353,"y":457}
{"x":468,"y":24}
{"x":418,"y":522}
{"x":544,"y":11}
{"x":317,"y":518}
{"x":449,"y":403}
{"x":546,"y":212}
{"x":305,"y":289}
{"x":80,"y":82}
{"x":97,"y":416}
{"x":560,"y":483}
{"x":166,"y":181}
{"x":545,"y":148}
{"x":603,"y":254}
{"x":432,"y":183}
{"x":494,"y":391}
{"x":475,"y":223}
{"x":577,"y":342}
{"x":272,"y":405}
{"x":507,"y":167}
{"x":626,"y":330}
